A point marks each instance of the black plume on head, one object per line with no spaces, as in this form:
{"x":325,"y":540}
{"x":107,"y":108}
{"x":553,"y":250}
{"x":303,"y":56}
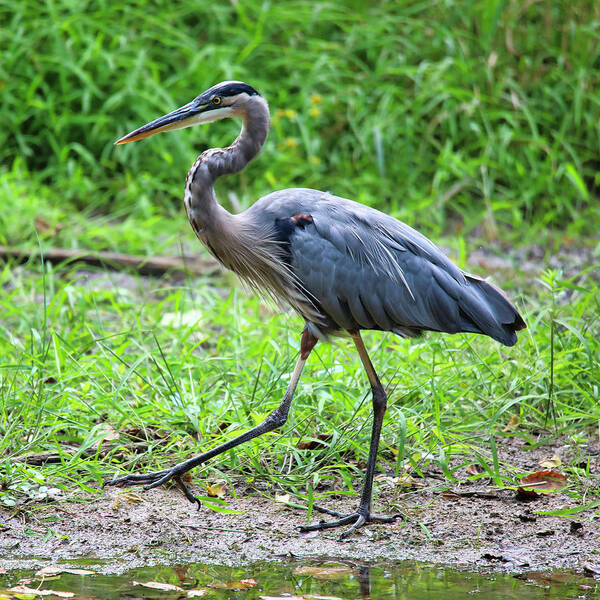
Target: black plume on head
{"x":225,"y":89}
{"x":232,"y":88}
{"x":237,"y":87}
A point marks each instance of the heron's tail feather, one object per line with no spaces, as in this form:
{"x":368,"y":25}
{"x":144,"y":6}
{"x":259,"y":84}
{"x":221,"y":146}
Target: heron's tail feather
{"x":489,"y":311}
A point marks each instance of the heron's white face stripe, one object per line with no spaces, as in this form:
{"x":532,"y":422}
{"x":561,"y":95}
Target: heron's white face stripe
{"x":205,"y":117}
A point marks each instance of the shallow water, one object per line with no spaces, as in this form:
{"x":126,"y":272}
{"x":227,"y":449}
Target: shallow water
{"x":308,"y":580}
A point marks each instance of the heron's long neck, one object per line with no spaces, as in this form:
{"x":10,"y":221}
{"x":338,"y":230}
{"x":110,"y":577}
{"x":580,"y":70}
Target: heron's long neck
{"x":204,"y":212}
{"x":239,"y":243}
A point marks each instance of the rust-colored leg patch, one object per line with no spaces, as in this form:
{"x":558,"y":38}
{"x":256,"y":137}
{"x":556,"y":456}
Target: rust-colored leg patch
{"x":307,"y":343}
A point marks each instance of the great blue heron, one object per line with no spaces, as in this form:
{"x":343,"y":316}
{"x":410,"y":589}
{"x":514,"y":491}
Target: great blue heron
{"x":341,"y":265}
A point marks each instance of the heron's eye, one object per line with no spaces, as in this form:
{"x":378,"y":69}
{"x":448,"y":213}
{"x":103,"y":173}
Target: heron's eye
{"x":216,"y":100}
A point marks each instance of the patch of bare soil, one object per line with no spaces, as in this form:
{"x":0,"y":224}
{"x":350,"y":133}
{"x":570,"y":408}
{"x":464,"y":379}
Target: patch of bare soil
{"x":472,"y":525}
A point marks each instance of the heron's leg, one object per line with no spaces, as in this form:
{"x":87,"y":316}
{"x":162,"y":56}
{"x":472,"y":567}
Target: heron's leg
{"x":276,"y":419}
{"x":379,"y":408}
{"x":363,"y":515}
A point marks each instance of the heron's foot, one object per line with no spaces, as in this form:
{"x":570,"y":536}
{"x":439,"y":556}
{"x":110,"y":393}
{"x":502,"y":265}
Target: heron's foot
{"x":356,"y":520}
{"x":328,"y":511}
{"x":156,"y":478}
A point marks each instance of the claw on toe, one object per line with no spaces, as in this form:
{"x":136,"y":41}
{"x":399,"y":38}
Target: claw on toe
{"x":154,"y":479}
{"x":146,"y":479}
{"x":184,"y":488}
{"x":357,"y":519}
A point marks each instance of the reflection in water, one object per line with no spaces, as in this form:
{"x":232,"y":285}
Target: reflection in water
{"x":363,"y":576}
{"x":332,"y":580}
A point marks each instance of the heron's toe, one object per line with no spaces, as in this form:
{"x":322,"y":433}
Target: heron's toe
{"x":356,"y":520}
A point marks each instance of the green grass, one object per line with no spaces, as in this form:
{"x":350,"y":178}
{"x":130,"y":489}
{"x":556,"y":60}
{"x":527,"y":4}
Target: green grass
{"x":476,"y":118}
{"x":93,"y":359}
{"x":447,"y":114}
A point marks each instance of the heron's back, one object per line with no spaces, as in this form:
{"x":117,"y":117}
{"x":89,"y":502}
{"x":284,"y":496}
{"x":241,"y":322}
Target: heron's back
{"x":362,"y":269}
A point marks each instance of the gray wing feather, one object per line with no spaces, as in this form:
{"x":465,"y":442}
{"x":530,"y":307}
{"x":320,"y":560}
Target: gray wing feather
{"x":368,"y":270}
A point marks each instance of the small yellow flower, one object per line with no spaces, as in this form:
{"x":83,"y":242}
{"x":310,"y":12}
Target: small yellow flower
{"x":316,"y":98}
{"x":315,"y":160}
{"x":314,"y":111}
{"x":288,"y":143}
{"x":290,"y":113}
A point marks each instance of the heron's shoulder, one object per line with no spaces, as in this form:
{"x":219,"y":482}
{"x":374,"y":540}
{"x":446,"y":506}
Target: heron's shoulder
{"x":350,"y":224}
{"x":331,"y":209}
{"x":335,"y":215}
{"x":289,"y":201}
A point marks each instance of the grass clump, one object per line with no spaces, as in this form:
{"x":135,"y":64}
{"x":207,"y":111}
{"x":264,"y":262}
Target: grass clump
{"x":186,"y":368}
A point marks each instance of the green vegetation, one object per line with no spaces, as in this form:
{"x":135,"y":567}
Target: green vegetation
{"x":478,"y":117}
{"x":436,"y":111}
{"x":89,"y":359}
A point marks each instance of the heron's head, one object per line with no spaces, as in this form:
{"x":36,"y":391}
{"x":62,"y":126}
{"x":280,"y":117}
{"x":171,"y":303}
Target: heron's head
{"x":226,"y":99}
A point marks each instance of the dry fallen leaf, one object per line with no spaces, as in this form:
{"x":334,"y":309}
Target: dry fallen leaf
{"x":591,"y":569}
{"x":450,"y":495}
{"x":182,"y":573}
{"x":403,"y":481}
{"x":197,"y":593}
{"x":51,"y":571}
{"x":473,"y":469}
{"x":159,"y":585}
{"x":512,"y":424}
{"x":22,"y":589}
{"x":217,"y":490}
{"x":79,"y":571}
{"x":308,"y":535}
{"x":129,"y":497}
{"x":145,"y":433}
{"x":44,"y":226}
{"x":321,"y":441}
{"x":108,"y":433}
{"x":551,"y":463}
{"x":545,"y":480}
{"x":242,"y":584}
{"x":336,"y":572}
{"x":284,"y":498}
{"x":406,"y":480}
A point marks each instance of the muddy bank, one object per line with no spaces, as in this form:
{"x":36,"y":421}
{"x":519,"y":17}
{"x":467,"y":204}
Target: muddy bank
{"x":473,"y":525}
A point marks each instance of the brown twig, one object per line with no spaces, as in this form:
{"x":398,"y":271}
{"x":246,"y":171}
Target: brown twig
{"x":154,"y":266}
{"x":41,"y":458}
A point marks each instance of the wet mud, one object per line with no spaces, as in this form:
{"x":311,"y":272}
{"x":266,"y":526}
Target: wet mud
{"x":466,"y":524}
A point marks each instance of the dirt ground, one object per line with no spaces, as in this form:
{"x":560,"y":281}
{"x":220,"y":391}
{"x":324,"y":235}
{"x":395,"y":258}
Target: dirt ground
{"x":472,"y":525}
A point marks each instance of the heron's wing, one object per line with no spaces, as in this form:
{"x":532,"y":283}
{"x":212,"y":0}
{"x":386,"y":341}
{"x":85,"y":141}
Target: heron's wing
{"x":368,"y":270}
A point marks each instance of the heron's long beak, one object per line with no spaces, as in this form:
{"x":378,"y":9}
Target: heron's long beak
{"x":186,"y":116}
